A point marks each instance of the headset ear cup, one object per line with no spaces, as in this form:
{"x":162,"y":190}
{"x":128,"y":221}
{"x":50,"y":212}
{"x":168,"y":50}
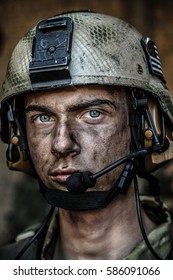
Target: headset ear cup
{"x":150,"y":131}
{"x":20,"y":164}
{"x":164,"y":132}
{"x":17,"y":155}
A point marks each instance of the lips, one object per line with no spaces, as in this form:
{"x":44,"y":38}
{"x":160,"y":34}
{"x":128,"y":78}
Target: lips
{"x":60,"y":176}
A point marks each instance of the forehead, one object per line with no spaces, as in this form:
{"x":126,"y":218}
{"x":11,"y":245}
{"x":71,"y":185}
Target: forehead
{"x":78,"y":95}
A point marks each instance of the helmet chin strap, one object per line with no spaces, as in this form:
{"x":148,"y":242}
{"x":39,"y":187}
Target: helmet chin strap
{"x":91,"y":200}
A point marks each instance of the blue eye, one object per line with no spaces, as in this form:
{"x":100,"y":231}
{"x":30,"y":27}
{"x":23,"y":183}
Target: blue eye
{"x":94,"y":113}
{"x":44,"y":118}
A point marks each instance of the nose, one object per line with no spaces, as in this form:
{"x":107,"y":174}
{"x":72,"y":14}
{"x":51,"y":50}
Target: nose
{"x":64,"y":142}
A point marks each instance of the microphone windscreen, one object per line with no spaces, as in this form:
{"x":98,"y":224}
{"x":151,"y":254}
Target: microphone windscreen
{"x":78,"y":183}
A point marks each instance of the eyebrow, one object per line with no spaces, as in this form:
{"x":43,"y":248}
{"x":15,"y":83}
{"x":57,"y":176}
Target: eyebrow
{"x":85,"y":104}
{"x":81,"y":106}
{"x":40,"y":108}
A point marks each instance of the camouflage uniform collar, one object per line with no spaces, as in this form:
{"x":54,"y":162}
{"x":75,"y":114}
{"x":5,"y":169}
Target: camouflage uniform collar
{"x":161,"y":240}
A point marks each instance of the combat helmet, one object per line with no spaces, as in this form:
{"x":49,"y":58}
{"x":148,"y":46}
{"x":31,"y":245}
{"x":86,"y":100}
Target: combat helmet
{"x":87,"y":48}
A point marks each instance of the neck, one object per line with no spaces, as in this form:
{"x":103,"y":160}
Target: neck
{"x":108,"y":233}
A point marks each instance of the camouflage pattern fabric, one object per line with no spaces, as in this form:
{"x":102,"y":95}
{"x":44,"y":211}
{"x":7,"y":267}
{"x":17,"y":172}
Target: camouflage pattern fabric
{"x":161,"y":238}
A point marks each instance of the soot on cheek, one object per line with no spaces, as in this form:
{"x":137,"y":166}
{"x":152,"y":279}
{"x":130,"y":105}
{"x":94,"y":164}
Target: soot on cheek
{"x":37,"y":154}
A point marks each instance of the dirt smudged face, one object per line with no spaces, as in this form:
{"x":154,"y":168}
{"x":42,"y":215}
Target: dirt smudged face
{"x":76,"y":130}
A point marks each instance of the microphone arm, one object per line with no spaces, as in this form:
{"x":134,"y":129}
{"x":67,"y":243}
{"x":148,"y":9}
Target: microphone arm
{"x":79,"y":182}
{"x":105,"y":170}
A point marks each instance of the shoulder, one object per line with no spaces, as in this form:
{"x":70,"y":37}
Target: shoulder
{"x":11,"y":251}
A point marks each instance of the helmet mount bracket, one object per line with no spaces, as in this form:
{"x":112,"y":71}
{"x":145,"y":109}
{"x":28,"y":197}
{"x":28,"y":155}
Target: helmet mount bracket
{"x":51,"y":53}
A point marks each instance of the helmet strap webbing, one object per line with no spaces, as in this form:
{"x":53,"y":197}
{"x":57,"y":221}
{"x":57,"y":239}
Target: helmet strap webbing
{"x":90,"y":200}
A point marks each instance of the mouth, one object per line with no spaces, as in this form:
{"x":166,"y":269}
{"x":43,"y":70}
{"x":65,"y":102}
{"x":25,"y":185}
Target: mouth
{"x":60,"y":176}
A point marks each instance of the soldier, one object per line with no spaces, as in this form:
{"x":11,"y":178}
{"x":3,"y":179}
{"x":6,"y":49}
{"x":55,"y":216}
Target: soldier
{"x":85,"y":109}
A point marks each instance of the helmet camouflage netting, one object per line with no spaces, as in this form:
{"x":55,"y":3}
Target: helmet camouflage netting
{"x":105,"y":51}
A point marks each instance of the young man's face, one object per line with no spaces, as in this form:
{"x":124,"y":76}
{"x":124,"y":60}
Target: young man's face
{"x":77,"y":130}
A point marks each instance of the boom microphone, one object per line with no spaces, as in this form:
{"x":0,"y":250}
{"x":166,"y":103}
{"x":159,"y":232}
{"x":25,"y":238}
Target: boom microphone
{"x":79,"y":182}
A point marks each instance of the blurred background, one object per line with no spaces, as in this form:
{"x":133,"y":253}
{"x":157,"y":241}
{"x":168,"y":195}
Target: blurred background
{"x":20,"y":201}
